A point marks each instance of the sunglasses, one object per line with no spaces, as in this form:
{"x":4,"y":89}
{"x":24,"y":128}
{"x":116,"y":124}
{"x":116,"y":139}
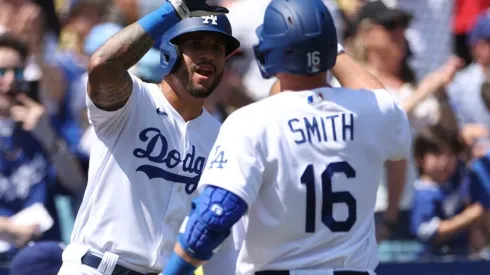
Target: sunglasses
{"x":18,"y":72}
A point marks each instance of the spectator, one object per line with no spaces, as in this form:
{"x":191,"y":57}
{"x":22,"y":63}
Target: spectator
{"x":443,"y":216}
{"x":349,"y":11}
{"x":380,"y":44}
{"x":82,"y":16}
{"x":33,"y":157}
{"x":25,"y":172}
{"x":428,"y":34}
{"x":465,"y":91}
{"x":67,"y":66}
{"x":464,"y":19}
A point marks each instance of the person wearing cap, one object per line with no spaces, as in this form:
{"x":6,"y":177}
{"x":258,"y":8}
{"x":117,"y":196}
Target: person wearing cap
{"x":380,"y":44}
{"x":42,"y":258}
{"x":465,"y":92}
{"x":151,"y":141}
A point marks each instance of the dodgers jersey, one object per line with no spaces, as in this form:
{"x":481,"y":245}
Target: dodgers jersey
{"x":308,"y":166}
{"x":145,"y":164}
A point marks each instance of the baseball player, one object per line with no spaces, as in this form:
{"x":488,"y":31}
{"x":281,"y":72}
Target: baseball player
{"x":299,"y":169}
{"x":151,"y":141}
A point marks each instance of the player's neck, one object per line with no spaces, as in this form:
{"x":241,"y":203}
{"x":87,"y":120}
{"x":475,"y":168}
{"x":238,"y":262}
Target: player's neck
{"x":187,"y":106}
{"x":290,"y":82}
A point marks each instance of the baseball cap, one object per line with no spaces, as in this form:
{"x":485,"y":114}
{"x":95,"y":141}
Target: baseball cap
{"x":481,"y":30}
{"x":42,"y":258}
{"x":98,"y":35}
{"x":378,"y":12}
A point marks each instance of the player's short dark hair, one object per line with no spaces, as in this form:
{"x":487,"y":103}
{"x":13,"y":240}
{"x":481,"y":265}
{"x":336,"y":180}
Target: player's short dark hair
{"x":434,"y":139}
{"x":14,"y":43}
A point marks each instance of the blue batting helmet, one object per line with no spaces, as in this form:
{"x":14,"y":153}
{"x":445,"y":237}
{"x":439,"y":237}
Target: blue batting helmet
{"x":220,"y":24}
{"x":297,"y":37}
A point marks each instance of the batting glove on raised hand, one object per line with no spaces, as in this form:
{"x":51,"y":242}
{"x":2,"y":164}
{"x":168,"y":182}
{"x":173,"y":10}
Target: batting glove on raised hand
{"x":196,"y":8}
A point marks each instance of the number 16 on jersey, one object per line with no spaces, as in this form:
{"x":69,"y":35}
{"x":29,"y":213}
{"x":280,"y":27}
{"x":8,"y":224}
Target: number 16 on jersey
{"x":329,"y":198}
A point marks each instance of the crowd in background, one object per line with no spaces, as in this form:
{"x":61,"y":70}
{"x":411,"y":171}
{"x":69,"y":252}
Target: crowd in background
{"x":432,"y":55}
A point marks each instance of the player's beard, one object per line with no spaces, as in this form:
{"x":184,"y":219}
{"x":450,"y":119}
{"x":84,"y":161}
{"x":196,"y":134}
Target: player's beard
{"x":184,"y":76}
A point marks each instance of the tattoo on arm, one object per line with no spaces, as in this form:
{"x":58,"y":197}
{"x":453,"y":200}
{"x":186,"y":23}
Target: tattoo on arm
{"x":109,"y":83}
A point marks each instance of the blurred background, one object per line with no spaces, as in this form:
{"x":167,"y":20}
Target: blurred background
{"x":432,"y":55}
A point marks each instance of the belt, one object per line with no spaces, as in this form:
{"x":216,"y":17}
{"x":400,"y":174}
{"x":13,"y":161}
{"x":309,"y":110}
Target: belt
{"x":286,"y":272}
{"x":94,"y":262}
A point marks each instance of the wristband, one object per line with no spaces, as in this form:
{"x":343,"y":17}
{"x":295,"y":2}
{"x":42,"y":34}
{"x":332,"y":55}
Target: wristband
{"x":340,"y":49}
{"x":178,"y":266}
{"x":159,"y":21}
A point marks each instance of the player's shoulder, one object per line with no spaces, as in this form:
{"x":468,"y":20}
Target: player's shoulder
{"x":244,"y":114}
{"x":249,"y":119}
{"x":383,"y":96}
{"x":385,"y":101}
{"x":144,"y":90}
{"x":146,"y":87}
{"x":364,"y":99}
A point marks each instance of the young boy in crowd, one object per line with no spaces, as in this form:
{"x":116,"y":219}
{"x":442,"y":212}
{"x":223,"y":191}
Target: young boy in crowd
{"x":445,"y":215}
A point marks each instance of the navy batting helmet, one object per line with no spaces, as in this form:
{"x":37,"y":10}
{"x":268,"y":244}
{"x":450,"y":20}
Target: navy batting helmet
{"x":297,"y":37}
{"x":170,"y":53}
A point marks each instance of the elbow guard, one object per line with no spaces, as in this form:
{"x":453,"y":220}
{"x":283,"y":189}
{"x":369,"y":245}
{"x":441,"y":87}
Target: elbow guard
{"x":213,"y":214}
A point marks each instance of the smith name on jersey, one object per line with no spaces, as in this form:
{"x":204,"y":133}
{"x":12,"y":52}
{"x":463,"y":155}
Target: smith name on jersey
{"x":308,"y":165}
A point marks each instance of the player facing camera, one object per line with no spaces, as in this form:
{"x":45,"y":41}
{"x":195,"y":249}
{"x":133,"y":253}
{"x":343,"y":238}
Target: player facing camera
{"x":13,"y":55}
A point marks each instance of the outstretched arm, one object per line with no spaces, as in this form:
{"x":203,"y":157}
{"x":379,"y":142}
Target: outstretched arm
{"x":351,"y":74}
{"x":109,"y":83}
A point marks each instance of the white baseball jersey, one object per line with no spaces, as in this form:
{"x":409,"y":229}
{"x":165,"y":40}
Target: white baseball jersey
{"x":308,"y":166}
{"x":145,"y":164}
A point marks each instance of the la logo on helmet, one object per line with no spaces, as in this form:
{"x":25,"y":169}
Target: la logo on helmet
{"x":213,"y":19}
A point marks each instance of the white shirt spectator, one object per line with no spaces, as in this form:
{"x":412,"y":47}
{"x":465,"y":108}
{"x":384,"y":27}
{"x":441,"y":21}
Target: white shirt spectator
{"x":465,"y":96}
{"x":429,"y":34}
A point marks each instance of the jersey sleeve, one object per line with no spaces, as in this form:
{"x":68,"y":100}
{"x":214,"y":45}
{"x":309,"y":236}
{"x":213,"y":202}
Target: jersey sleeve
{"x":424,"y":221}
{"x":236,"y":162}
{"x":396,"y":129}
{"x":104,"y":119}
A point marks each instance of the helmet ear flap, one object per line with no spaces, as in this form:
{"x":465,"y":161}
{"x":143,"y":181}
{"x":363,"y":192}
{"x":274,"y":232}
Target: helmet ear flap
{"x":260,"y":58}
{"x":169,"y":57}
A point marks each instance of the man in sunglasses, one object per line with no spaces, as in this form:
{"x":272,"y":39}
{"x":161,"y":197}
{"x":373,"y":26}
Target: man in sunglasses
{"x":24,"y":167}
{"x":29,"y":152}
